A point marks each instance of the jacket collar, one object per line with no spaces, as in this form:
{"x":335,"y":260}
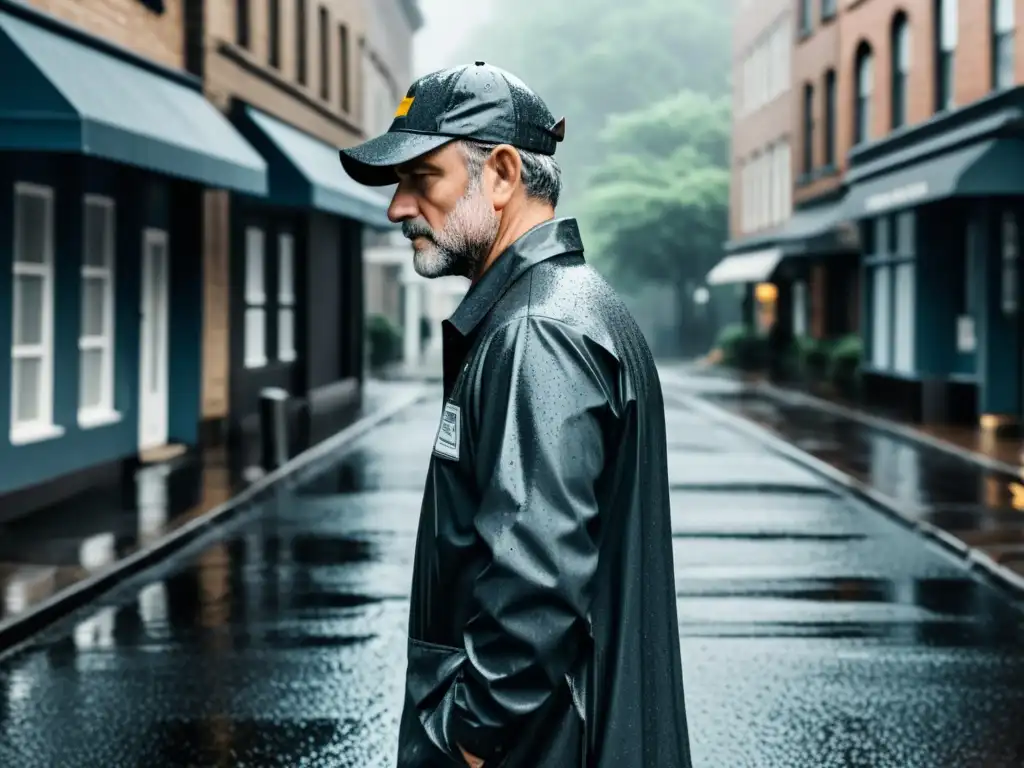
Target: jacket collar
{"x":545,"y":241}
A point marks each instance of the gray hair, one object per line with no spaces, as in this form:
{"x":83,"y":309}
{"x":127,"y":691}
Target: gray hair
{"x":541,"y":176}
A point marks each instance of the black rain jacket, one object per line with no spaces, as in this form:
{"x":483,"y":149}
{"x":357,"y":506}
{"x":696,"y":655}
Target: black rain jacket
{"x":543,"y":629}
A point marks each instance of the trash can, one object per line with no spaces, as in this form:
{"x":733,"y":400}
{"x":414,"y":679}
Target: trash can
{"x":273,"y":428}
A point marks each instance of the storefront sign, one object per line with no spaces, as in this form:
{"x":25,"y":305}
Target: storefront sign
{"x":901,"y":196}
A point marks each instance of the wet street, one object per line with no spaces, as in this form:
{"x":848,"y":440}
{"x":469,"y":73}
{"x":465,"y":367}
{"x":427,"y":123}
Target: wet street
{"x":815,"y":632}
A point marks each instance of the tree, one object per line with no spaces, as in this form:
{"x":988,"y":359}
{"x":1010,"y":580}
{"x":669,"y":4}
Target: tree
{"x":589,"y":59}
{"x":658,"y":205}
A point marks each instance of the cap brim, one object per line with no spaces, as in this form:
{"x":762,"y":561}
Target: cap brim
{"x":373,"y":162}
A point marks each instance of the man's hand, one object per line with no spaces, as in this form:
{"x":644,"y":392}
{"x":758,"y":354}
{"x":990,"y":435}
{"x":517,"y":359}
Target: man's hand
{"x":472,"y":762}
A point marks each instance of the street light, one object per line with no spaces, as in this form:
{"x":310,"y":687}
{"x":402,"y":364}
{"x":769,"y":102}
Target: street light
{"x":701,"y":296}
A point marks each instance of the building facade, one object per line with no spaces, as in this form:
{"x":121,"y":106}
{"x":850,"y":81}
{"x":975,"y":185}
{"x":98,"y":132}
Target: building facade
{"x":284,"y":301}
{"x":907,"y":192}
{"x":107,"y":148}
{"x":393,"y":290}
{"x":761,"y":189}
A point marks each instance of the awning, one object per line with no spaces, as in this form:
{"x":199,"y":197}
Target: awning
{"x":305,"y":172}
{"x":753,"y":267}
{"x":990,"y":167}
{"x":64,"y":96}
{"x":820,"y":229}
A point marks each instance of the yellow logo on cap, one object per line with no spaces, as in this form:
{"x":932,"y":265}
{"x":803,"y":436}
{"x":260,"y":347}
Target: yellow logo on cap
{"x":404,"y":107}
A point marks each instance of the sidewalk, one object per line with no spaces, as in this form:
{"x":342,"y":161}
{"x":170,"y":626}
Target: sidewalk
{"x":54,"y":560}
{"x":970,"y":503}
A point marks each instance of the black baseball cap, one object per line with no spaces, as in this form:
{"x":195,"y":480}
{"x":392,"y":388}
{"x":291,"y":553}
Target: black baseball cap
{"x":473,"y":101}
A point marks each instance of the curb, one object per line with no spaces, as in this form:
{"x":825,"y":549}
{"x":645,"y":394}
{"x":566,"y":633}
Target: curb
{"x":973,"y":559}
{"x":19,"y":628}
{"x":895,"y":429}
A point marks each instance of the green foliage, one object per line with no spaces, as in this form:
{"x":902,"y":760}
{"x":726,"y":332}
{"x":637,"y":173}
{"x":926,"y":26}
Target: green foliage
{"x":384,"y":340}
{"x":844,"y":364}
{"x":589,"y":59}
{"x":658,"y":205}
{"x":741,"y":347}
{"x":814,"y":356}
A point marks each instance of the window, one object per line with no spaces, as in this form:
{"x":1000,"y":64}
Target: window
{"x":1010,"y":247}
{"x":32,"y":337}
{"x":864,"y":88}
{"x":900,"y":69}
{"x":806,"y":12}
{"x":242,"y":23}
{"x":881,"y":299}
{"x":96,"y":332}
{"x":255,"y":300}
{"x":828,"y":9}
{"x":904,"y":294}
{"x":274,"y":33}
{"x":325,"y":55}
{"x":285,"y":297}
{"x":946,"y":27}
{"x":1002,"y":44}
{"x":786,"y":179}
{"x":343,"y":68}
{"x":301,"y":33}
{"x":830,"y":118}
{"x":808,"y":158}
{"x":799,"y":308}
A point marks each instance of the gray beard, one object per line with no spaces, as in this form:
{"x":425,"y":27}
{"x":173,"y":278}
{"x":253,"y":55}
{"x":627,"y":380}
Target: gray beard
{"x":462,"y":245}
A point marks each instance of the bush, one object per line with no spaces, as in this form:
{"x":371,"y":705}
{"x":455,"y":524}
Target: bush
{"x":384,"y":339}
{"x":741,"y":347}
{"x":814,"y":355}
{"x":844,"y":364}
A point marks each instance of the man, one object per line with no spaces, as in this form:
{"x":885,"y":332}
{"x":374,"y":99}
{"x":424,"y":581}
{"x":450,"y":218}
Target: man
{"x":543,"y":629}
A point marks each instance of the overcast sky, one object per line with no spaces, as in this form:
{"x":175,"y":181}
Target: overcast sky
{"x":447,"y":23}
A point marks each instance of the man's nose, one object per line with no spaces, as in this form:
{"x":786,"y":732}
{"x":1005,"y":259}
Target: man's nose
{"x":402,"y":208}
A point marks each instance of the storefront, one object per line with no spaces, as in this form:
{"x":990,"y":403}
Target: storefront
{"x":104,"y":157}
{"x":296,"y":304}
{"x":939,"y":208}
{"x":813,"y":263}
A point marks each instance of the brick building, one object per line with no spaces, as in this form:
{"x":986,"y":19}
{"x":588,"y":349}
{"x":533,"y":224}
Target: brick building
{"x":907,"y":187}
{"x":761,"y":189}
{"x":106,"y":149}
{"x":284,"y":272}
{"x":180,"y":231}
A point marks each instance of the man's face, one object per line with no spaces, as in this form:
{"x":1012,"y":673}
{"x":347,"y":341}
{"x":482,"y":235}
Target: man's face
{"x":445,"y":212}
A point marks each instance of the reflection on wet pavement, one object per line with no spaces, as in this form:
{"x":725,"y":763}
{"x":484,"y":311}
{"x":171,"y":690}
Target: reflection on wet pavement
{"x":815,"y":632}
{"x":55,"y":548}
{"x":980,"y":507}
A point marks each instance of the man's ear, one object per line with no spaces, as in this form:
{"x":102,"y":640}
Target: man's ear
{"x":506,"y":167}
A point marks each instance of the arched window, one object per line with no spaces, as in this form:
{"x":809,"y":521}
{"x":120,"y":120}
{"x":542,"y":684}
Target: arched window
{"x":829,"y":128}
{"x":808,"y":108}
{"x":947,"y":23}
{"x":864,"y":79}
{"x":1003,"y":23}
{"x":900,"y":68}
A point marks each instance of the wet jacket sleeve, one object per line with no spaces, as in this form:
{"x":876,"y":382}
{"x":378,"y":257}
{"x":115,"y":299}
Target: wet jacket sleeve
{"x":539,"y":451}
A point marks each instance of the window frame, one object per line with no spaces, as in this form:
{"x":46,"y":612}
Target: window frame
{"x":945,"y":53}
{"x":829,"y":130}
{"x":22,"y":432}
{"x":255,"y":300}
{"x":807,"y":158}
{"x":104,"y":412}
{"x":344,"y":70}
{"x":286,"y":297}
{"x":1003,"y":38}
{"x":863,"y":93}
{"x":274,"y":34}
{"x":900,"y":72}
{"x":324,"y":37}
{"x":243,"y":23}
{"x":302,"y":41}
